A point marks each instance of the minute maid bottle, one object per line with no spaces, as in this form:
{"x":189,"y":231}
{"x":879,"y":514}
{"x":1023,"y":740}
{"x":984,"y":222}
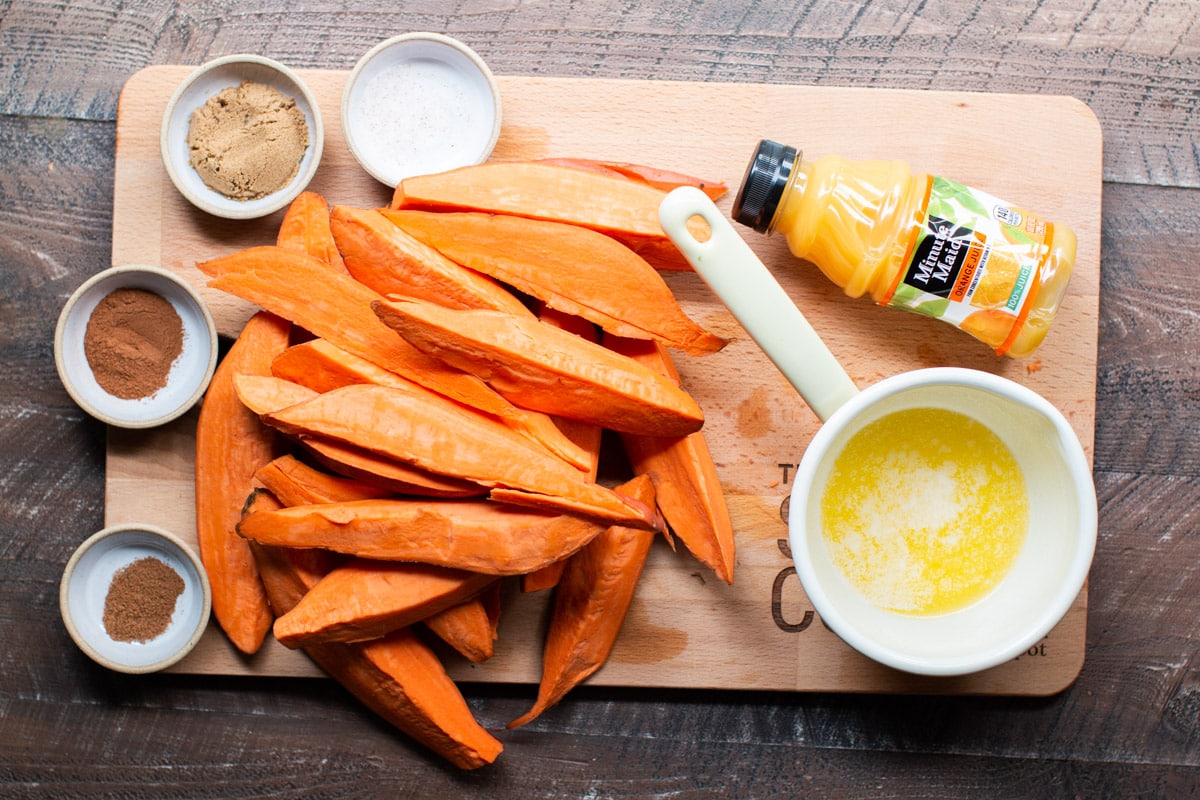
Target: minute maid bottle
{"x":918,"y":242}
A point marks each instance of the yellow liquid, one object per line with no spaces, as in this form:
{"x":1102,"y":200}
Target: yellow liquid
{"x":925,"y":511}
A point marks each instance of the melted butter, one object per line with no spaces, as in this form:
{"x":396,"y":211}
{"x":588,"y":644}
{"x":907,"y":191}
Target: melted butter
{"x":925,"y":511}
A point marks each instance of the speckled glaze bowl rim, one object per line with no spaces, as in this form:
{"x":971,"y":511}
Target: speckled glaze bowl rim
{"x":165,"y":542}
{"x":365,"y":159}
{"x":173,"y":147}
{"x":128,"y":275}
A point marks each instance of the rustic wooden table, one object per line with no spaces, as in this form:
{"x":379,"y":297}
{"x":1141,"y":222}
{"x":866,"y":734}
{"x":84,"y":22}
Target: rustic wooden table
{"x":1129,"y":725}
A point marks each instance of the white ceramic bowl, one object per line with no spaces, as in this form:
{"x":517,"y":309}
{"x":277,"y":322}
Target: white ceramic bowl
{"x":85,"y":586}
{"x":420,"y":103}
{"x":194,"y":92}
{"x":189,"y":375}
{"x":1034,"y":594}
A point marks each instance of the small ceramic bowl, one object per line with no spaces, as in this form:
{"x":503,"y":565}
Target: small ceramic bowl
{"x":189,"y":375}
{"x":420,"y":103}
{"x":194,"y":92}
{"x":88,"y":579}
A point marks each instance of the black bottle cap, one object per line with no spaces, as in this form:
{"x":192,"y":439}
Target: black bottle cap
{"x":763,"y":184}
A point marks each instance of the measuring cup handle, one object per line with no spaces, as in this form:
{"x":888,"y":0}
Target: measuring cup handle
{"x":737,"y":276}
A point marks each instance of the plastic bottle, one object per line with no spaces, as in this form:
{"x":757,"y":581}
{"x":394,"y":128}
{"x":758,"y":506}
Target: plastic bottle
{"x":918,"y":242}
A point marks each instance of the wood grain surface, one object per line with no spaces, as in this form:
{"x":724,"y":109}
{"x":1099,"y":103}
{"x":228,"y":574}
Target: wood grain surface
{"x":1128,"y":726}
{"x":686,"y":629}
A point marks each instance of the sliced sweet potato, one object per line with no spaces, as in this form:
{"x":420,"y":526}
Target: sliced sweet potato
{"x":613,"y":205}
{"x":467,"y":627}
{"x":567,"y":267}
{"x":398,"y":677}
{"x":479,"y":535}
{"x":336,"y":307}
{"x":231,"y":445}
{"x":687,"y":488}
{"x":391,"y":261}
{"x":266,"y":394}
{"x":662,"y":179}
{"x":397,"y":425}
{"x":322,"y":366}
{"x":541,"y":367}
{"x":364,"y":600}
{"x":306,"y":229}
{"x":295,"y":483}
{"x":590,"y":604}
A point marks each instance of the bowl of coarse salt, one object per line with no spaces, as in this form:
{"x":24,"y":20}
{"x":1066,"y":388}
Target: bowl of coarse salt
{"x":135,"y":346}
{"x":241,"y":137}
{"x":420,"y":103}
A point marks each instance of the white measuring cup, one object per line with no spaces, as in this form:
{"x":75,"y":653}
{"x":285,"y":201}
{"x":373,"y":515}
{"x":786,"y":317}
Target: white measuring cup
{"x":1050,"y":570}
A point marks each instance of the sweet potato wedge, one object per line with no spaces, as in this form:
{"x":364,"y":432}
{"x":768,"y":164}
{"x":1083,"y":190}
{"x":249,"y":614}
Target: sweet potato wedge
{"x":264,"y":395}
{"x":476,"y":535}
{"x":686,"y":485}
{"x":590,"y":604}
{"x":661,"y":179}
{"x":541,"y":367}
{"x":322,"y":366}
{"x":612,"y":204}
{"x":399,"y":426}
{"x":363,"y":600}
{"x":567,"y":267}
{"x":306,"y":229}
{"x":295,"y":483}
{"x":398,"y":677}
{"x":389,"y":260}
{"x":467,"y":628}
{"x":231,"y":445}
{"x":336,"y":307}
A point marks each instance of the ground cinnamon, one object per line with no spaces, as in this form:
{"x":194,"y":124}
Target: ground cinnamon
{"x":132,"y":339}
{"x":141,"y":600}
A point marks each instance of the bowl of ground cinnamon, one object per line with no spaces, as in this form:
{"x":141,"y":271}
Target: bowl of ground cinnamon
{"x":135,"y":598}
{"x":241,"y":137}
{"x":135,"y":346}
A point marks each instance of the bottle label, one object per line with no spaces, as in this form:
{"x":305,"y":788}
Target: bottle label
{"x":973,"y":262}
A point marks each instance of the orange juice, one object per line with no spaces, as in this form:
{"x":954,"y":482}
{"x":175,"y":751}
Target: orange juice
{"x":917,"y":242}
{"x":924,"y":511}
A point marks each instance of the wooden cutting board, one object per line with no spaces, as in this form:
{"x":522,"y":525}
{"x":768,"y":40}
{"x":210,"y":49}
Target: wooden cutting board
{"x":686,"y":629}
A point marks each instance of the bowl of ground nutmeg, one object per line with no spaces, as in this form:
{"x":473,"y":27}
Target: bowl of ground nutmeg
{"x":135,"y":346}
{"x":135,"y":598}
{"x":241,"y":137}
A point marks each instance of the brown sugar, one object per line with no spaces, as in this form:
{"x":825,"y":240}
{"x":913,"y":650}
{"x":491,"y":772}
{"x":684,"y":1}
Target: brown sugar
{"x":141,"y":600}
{"x":132,"y":338}
{"x":247,"y":141}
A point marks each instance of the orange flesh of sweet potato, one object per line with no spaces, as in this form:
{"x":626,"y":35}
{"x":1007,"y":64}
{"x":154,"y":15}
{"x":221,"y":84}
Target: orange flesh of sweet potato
{"x":265,"y":395}
{"x":398,"y":677}
{"x":295,"y":483}
{"x":569,"y":268}
{"x":590,"y":604}
{"x":394,"y":424}
{"x":364,"y":600}
{"x":475,"y":535}
{"x":586,"y":435}
{"x":541,"y":367}
{"x":661,"y":179}
{"x":391,"y":261}
{"x":321,"y":366}
{"x":336,"y":307}
{"x":306,"y":229}
{"x":231,"y":444}
{"x":687,"y":488}
{"x":467,"y":628}
{"x":611,"y":204}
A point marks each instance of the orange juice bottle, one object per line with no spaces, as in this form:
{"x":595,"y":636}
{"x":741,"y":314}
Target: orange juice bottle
{"x":917,"y":242}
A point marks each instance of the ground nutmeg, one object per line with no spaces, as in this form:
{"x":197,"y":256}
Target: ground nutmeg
{"x":132,"y":338}
{"x":141,"y":600}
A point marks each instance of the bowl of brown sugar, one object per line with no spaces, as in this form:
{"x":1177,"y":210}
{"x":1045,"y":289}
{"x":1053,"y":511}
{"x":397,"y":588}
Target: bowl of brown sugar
{"x":241,"y":136}
{"x":135,"y":346}
{"x":135,"y":598}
